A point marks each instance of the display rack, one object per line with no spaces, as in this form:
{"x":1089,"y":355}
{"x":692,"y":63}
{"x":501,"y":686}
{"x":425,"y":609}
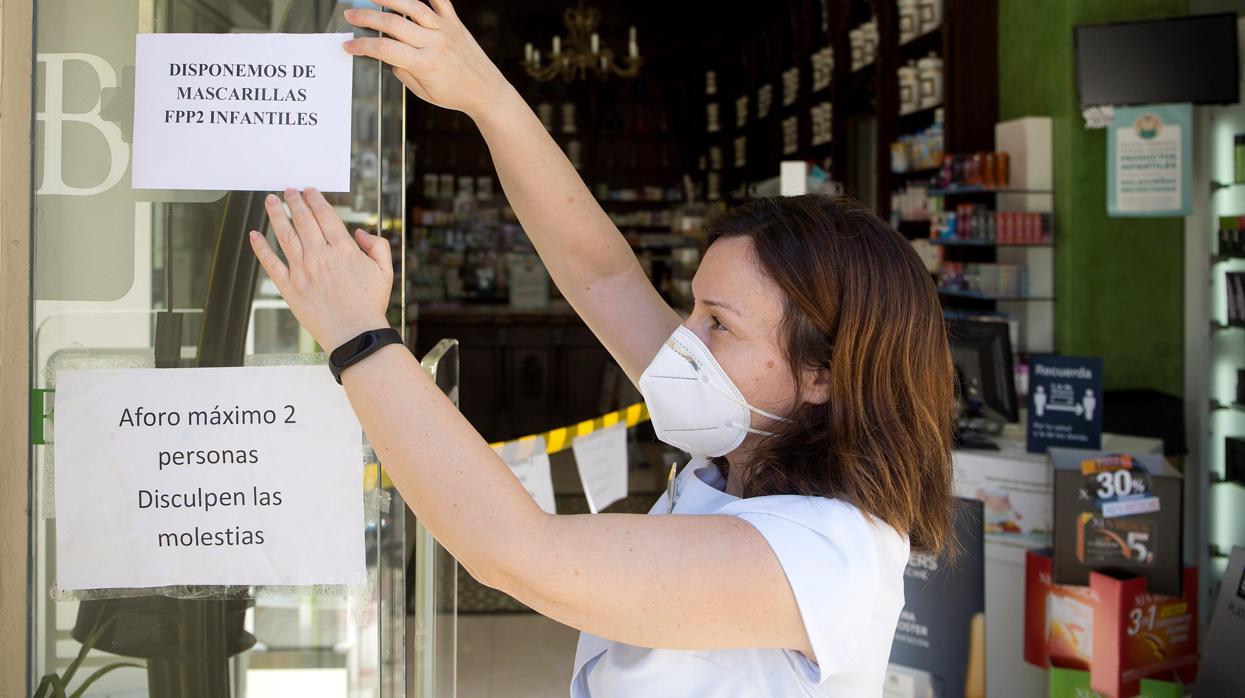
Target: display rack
{"x":1223,"y":497}
{"x":1030,"y":190}
{"x":864,"y":114}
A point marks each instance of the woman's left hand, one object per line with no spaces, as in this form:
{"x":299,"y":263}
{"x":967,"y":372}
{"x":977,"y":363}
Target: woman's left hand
{"x":337,"y":284}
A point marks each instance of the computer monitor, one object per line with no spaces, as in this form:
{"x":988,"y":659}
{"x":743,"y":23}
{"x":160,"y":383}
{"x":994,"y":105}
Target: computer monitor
{"x":981,"y":351}
{"x":1176,"y":59}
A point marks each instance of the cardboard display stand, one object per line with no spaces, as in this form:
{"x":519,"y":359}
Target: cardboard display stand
{"x":939,"y":646}
{"x":1117,"y":512}
{"x":1112,"y":629}
{"x":1059,"y":618}
{"x":1223,"y":666}
{"x":1141,"y":635}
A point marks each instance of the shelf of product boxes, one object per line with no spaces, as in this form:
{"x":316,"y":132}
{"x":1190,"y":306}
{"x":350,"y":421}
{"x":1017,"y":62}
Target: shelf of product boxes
{"x":973,"y":189}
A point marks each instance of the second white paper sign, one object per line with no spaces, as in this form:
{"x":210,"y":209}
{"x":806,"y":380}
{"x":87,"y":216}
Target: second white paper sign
{"x":206,"y":476}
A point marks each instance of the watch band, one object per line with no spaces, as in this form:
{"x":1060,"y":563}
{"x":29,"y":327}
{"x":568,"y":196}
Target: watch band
{"x":359,"y":348}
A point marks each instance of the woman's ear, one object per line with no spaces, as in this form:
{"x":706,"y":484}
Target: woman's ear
{"x":817,"y":386}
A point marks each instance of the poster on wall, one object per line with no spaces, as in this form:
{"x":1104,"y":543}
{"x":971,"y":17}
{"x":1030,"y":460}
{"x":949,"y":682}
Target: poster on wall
{"x":237,"y":476}
{"x":1150,"y":161}
{"x":1065,"y":403}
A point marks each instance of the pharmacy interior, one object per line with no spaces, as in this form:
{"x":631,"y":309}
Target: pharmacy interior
{"x":1072,"y":174}
{"x":1084,"y":314}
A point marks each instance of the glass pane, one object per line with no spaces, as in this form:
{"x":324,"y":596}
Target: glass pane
{"x":435,"y":573}
{"x":127,"y":278}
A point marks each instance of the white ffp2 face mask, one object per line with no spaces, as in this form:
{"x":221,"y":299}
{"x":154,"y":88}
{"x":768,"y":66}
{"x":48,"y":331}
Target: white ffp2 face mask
{"x":693,"y":404}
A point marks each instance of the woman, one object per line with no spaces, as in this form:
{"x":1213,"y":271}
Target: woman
{"x":812,"y":385}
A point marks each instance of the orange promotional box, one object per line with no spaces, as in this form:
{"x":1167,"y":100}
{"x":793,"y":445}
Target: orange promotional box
{"x":1141,"y":635}
{"x":1113,"y":627}
{"x":1059,"y":618}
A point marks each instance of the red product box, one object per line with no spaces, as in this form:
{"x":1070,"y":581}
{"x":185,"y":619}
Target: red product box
{"x":1003,"y":228}
{"x":1059,"y":618}
{"x":1113,"y":627}
{"x":1141,"y":635}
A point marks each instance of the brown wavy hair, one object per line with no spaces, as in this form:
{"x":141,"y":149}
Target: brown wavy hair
{"x":860,"y":303}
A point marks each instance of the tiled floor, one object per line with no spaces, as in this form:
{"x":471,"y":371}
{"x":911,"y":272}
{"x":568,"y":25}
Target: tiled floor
{"x":521,"y":655}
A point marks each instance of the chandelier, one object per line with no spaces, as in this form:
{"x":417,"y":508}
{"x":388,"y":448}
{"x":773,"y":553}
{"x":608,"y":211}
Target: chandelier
{"x":583,"y":51}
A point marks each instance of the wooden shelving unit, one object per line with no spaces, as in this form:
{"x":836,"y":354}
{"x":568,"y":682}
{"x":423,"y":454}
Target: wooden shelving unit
{"x":864,"y":102}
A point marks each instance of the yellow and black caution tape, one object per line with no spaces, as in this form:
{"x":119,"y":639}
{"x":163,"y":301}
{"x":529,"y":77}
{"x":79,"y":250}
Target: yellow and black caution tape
{"x":370,"y":472}
{"x":560,"y":439}
{"x":555,"y":439}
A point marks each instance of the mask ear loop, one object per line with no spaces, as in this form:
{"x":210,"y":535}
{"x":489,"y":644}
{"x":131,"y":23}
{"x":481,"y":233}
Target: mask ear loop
{"x":704,"y":378}
{"x":750,"y":429}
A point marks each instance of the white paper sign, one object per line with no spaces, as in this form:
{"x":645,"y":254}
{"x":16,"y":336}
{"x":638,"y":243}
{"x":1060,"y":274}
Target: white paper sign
{"x":602,"y":461}
{"x":245,"y":112}
{"x":240,"y":476}
{"x":530,"y":463}
{"x":1149,"y":161}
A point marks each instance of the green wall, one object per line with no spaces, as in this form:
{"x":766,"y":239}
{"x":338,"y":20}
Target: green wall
{"x":1119,"y":282}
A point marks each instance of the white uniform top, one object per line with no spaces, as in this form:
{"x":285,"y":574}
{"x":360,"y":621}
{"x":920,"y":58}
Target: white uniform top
{"x":847,"y":575}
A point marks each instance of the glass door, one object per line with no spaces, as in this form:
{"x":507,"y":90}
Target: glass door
{"x":126,"y":278}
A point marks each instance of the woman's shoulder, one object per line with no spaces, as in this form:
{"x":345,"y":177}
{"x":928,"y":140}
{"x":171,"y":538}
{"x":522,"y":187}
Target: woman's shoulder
{"x":831,"y":518}
{"x":830,"y":550}
{"x":803,"y":508}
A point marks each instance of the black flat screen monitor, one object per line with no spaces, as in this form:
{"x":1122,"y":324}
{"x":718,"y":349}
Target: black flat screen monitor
{"x":1178,"y":59}
{"x":981,"y":351}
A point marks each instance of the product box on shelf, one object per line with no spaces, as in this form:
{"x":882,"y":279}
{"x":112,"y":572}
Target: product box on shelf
{"x":1112,"y":632}
{"x":1117,"y":512}
{"x":1231,"y":236}
{"x":1139,"y":634}
{"x":529,"y":282}
{"x":1235,"y":301}
{"x":988,"y":280}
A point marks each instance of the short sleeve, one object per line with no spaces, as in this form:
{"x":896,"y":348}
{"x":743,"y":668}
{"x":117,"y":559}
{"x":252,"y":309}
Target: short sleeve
{"x":830,"y":555}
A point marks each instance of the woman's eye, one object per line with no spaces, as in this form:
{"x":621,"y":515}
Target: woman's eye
{"x":717,"y":324}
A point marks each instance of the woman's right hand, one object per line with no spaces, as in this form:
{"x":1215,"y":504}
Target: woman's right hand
{"x":432,"y":53}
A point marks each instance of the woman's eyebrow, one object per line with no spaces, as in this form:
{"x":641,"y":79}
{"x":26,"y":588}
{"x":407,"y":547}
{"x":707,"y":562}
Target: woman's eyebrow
{"x":720,"y":304}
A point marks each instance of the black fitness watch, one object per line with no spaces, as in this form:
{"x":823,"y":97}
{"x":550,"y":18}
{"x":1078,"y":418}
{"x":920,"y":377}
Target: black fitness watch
{"x":359,"y":348}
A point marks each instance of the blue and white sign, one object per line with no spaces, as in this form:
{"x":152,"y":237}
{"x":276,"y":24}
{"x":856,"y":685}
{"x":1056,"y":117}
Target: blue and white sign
{"x":1065,"y":403}
{"x":1150,"y":161}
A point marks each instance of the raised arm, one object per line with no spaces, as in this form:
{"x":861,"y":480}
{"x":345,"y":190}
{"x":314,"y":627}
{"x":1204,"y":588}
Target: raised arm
{"x":656,"y":581}
{"x":437,"y":58}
